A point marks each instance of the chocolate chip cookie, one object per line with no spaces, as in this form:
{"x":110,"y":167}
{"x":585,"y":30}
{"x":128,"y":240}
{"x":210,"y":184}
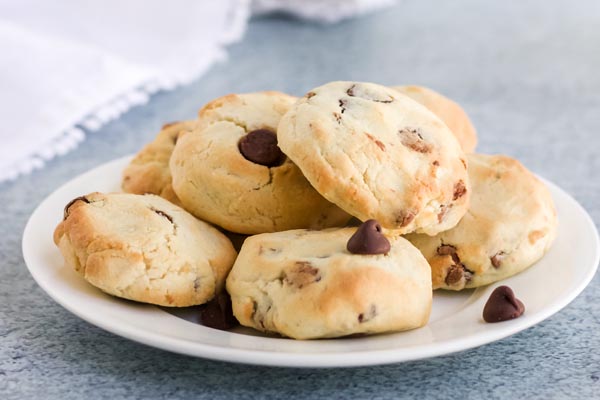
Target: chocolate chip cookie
{"x":144,"y":248}
{"x":378,"y":154}
{"x":510,"y":225}
{"x":319,"y":284}
{"x":148,"y":171}
{"x":229,"y":170}
{"x":448,"y":111}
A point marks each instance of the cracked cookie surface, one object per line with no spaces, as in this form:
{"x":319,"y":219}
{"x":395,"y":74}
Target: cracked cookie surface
{"x":148,"y":171}
{"x":510,"y":225}
{"x":378,"y":154}
{"x":144,"y":248}
{"x":305,"y":284}
{"x":221,"y":176}
{"x":447,"y":110}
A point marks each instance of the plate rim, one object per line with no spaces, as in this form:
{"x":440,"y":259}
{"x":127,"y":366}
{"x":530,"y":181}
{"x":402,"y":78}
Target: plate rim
{"x":313,"y":360}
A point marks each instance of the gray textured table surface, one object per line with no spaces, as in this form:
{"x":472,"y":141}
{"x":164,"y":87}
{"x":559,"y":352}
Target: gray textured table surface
{"x":527,"y":75}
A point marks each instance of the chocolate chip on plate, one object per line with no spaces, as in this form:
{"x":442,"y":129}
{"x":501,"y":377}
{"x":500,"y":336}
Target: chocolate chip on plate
{"x":260,"y":147}
{"x":502,"y":305}
{"x":218,"y":313}
{"x":368,"y":239}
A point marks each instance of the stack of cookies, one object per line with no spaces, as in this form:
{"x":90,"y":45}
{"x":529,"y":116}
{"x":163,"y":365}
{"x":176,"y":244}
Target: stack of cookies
{"x":358,"y":200}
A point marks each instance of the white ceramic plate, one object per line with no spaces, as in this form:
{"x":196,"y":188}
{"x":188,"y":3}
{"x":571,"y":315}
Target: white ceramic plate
{"x":455,"y":324}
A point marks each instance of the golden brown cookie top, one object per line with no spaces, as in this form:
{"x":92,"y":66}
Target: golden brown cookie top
{"x":306,"y":284}
{"x":511,"y":223}
{"x":144,"y":248}
{"x":378,"y":154}
{"x":230,"y":171}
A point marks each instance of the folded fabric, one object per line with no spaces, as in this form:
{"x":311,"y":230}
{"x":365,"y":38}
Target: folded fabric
{"x":72,"y":65}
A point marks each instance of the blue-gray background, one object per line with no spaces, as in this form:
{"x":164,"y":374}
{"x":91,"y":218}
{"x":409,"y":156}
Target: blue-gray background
{"x":528,"y":74}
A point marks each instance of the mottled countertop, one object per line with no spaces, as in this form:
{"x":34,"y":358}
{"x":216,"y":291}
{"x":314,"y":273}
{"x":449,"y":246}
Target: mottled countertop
{"x":528,"y":75}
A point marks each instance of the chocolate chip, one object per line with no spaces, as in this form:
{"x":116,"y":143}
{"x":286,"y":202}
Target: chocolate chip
{"x":502,"y":305}
{"x":455,"y":274}
{"x":368,"y":239}
{"x":446,"y":250}
{"x":303,"y":273}
{"x":457,"y":271}
{"x":218,"y":313}
{"x":310,"y":94}
{"x":412,"y":138}
{"x":369,"y":315}
{"x":260,"y":147}
{"x":69,"y":204}
{"x":342,"y":104}
{"x":497,"y":259}
{"x":444,"y":208}
{"x":459,"y":190}
{"x":163,"y":214}
{"x":363,"y":92}
{"x":405,"y":217}
{"x":338,"y":117}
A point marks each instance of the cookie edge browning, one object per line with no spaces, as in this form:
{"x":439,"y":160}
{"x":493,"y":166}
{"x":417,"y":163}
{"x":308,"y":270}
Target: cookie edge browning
{"x":338,"y":279}
{"x":481,"y":261}
{"x":320,"y":213}
{"x":147,"y":173}
{"x":76,"y":234}
{"x":323,"y":177}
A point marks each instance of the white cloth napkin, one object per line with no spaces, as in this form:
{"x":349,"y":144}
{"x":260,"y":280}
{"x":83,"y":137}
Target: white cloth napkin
{"x":72,"y":64}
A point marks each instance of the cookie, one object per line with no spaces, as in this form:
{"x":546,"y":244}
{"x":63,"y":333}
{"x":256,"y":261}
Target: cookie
{"x":378,"y":154}
{"x":510,"y":225}
{"x":144,"y":248}
{"x":148,"y":171}
{"x":307,"y":284}
{"x":448,"y":111}
{"x":230,"y":171}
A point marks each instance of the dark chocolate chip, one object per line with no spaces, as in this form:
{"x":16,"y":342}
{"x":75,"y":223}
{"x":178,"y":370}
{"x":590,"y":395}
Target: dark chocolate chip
{"x":260,"y":147}
{"x":405,"y":217}
{"x":342,"y":104}
{"x":350,"y":91}
{"x":502,"y":305}
{"x":457,"y":271}
{"x":163,"y":214}
{"x":444,"y":208}
{"x":455,"y":274}
{"x":496,"y":259}
{"x":69,"y":204}
{"x":302,"y":274}
{"x":218,"y":313}
{"x":357,"y":90}
{"x":412,"y":138}
{"x":459,"y":190}
{"x":446,"y":250}
{"x":369,"y":315}
{"x":368,"y":239}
